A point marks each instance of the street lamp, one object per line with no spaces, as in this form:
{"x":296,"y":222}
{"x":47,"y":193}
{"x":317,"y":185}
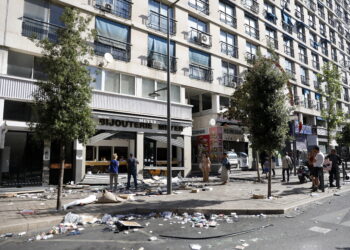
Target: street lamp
{"x":168,"y":88}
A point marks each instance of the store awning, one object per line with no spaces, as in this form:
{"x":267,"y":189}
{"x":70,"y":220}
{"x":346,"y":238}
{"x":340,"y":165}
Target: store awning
{"x":100,"y":137}
{"x":175,"y":142}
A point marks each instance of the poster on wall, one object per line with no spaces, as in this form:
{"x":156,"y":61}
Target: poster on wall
{"x":216,"y":144}
{"x":203,"y":145}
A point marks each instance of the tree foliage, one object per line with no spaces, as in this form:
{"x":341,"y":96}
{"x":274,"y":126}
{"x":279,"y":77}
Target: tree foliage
{"x":343,"y":137}
{"x":330,"y":113}
{"x":62,"y":101}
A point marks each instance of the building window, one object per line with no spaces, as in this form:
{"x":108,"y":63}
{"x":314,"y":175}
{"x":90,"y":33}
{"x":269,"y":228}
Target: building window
{"x":158,"y":15}
{"x":157,"y":53}
{"x":304,"y":76}
{"x":323,"y":31}
{"x":149,"y":86}
{"x":19,"y":111}
{"x":251,"y":51}
{"x":251,"y":27}
{"x":251,"y":5}
{"x":198,"y":32}
{"x":287,"y":23}
{"x":269,"y":12}
{"x":313,"y":41}
{"x":324,"y":47}
{"x":228,"y":44}
{"x":200,"y":66}
{"x":96,"y":77}
{"x":26,"y":66}
{"x":271,"y":37}
{"x":321,"y":10}
{"x":288,"y":45}
{"x":289,"y":67}
{"x":315,"y":62}
{"x":41,"y":19}
{"x":112,"y":38}
{"x":332,"y":36}
{"x":315,"y":81}
{"x":224,"y":102}
{"x":312,"y":21}
{"x":121,"y":8}
{"x":229,"y":75}
{"x":341,"y":43}
{"x":346,"y":94}
{"x":301,"y":31}
{"x":302,"y":54}
{"x":334,"y":54}
{"x":299,"y":13}
{"x":228,"y":14}
{"x":200,"y":5}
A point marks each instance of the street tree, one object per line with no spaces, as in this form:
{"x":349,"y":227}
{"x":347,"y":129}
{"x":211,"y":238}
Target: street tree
{"x":261,"y":105}
{"x":343,"y":137}
{"x":62,"y":99}
{"x":332,"y":115}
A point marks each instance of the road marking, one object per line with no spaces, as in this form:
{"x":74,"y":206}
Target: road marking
{"x":336,"y":217}
{"x":320,"y":230}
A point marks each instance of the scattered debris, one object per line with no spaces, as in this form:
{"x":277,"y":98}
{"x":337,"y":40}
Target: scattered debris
{"x":258,"y":196}
{"x":336,"y":194}
{"x":27,"y":212}
{"x":87,"y":200}
{"x":195,"y":246}
{"x":195,"y":190}
{"x":153,"y":238}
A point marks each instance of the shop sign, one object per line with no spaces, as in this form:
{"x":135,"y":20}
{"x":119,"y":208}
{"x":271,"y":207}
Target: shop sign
{"x":322,"y":131}
{"x":216,"y":143}
{"x":302,"y":129}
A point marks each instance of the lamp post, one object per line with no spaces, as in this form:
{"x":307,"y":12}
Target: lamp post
{"x":294,"y":117}
{"x":168,"y":88}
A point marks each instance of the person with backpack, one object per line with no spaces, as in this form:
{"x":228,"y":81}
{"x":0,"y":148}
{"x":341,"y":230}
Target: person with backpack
{"x":226,"y":166}
{"x":132,"y":170}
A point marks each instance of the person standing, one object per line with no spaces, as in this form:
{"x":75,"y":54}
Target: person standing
{"x":206,"y":163}
{"x":318,"y":168}
{"x":334,"y":173}
{"x":132,"y":170}
{"x":113,"y":172}
{"x":225,"y":168}
{"x":286,"y":166}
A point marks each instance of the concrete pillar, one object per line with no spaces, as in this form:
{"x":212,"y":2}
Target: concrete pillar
{"x":140,"y":153}
{"x":2,"y":136}
{"x":187,"y":155}
{"x":79,"y":170}
{"x":46,"y":163}
{"x":215,"y":100}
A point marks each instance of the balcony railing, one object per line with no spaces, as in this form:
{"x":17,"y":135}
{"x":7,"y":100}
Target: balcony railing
{"x":272,"y":42}
{"x":228,"y":19}
{"x":119,"y":50}
{"x":250,"y":57}
{"x":289,"y":50}
{"x":291,"y":72}
{"x":39,"y":30}
{"x":251,"y":31}
{"x":121,"y":8}
{"x":287,"y":27}
{"x":160,"y":61}
{"x":251,"y":5}
{"x":158,"y":22}
{"x":229,"y":49}
{"x":303,"y":58}
{"x":230,"y":80}
{"x":200,"y":5}
{"x":201,"y":72}
{"x":200,"y":37}
{"x":304,"y":80}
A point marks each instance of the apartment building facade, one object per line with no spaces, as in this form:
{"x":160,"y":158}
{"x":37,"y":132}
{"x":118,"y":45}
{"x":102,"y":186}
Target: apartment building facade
{"x":212,"y":43}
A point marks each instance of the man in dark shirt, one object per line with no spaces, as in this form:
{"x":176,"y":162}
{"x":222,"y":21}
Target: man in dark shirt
{"x":132,"y":170}
{"x":334,"y":173}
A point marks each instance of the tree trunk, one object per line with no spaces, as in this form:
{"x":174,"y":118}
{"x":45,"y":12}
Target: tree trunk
{"x":60,"y":182}
{"x":257,"y":165}
{"x":269,"y":180}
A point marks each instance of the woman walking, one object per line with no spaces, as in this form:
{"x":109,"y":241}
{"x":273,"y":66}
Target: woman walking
{"x":206,"y":163}
{"x":113,"y":172}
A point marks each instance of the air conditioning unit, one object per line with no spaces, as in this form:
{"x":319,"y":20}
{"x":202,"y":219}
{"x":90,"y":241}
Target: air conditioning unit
{"x":107,"y":7}
{"x":157,"y":64}
{"x":204,"y":39}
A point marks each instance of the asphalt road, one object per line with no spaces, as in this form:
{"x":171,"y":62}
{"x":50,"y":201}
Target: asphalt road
{"x":322,"y":225}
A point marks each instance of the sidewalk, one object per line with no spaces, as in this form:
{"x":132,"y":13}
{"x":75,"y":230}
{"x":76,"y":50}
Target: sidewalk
{"x":233,"y":197}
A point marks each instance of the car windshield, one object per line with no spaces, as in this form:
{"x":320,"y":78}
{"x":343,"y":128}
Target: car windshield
{"x":232,"y":156}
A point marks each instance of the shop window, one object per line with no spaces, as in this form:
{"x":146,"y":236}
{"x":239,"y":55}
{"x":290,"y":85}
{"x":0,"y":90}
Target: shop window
{"x":194,"y":100}
{"x":206,"y":102}
{"x":104,"y":153}
{"x":19,"y":111}
{"x":90,"y":153}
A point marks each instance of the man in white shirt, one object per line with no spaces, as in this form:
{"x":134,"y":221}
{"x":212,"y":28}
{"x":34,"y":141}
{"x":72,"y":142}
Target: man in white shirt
{"x":318,"y":168}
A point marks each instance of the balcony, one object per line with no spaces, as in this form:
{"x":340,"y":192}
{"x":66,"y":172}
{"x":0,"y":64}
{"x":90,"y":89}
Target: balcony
{"x":200,"y":38}
{"x":299,"y":15}
{"x":322,"y":14}
{"x":298,"y":101}
{"x":230,"y":80}
{"x":119,"y":50}
{"x":251,"y":5}
{"x":312,"y":5}
{"x":317,"y":85}
{"x":303,"y":58}
{"x":228,"y":19}
{"x":314,"y":44}
{"x":158,"y":22}
{"x":312,"y":24}
{"x":250,"y":57}
{"x":270,"y":17}
{"x":291,"y":72}
{"x":316,"y":65}
{"x":287,"y":27}
{"x":271,"y":41}
{"x":121,"y":8}
{"x":160,"y":61}
{"x":229,"y":49}
{"x":304,"y":80}
{"x":200,"y":5}
{"x":251,"y":31}
{"x":201,"y":72}
{"x":302,"y":36}
{"x":289,"y":50}
{"x":39,"y":30}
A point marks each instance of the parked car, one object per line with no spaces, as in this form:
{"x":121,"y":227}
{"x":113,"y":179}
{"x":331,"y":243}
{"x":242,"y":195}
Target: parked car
{"x":243,"y":162}
{"x":233,"y":159}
